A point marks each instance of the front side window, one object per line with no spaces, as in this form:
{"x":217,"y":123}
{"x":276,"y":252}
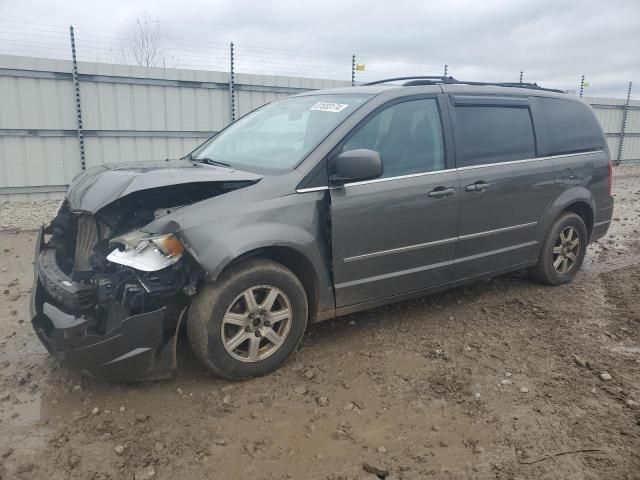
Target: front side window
{"x":278,"y":136}
{"x":407,"y":135}
{"x":488,"y":134}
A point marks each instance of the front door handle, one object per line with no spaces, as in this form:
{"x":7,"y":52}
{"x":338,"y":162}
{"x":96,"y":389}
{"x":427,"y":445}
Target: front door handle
{"x":480,"y":186}
{"x":441,"y":192}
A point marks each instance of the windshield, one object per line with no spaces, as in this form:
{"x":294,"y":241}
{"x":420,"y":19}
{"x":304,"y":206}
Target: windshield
{"x":278,"y":136}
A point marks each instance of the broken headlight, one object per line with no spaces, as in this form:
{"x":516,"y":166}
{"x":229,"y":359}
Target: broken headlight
{"x":146,"y":252}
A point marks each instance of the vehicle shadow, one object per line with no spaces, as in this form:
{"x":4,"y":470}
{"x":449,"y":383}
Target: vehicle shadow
{"x":323,"y":342}
{"x":403,"y":314}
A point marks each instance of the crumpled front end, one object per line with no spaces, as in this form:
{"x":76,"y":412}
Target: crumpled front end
{"x":105,"y":306}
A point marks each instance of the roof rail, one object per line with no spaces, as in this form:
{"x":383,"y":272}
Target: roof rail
{"x":427,"y":78}
{"x":532,"y":86}
{"x":435,"y":80}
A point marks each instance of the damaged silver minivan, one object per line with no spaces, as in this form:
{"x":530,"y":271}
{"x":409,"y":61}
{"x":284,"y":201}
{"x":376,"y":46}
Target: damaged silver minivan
{"x":311,"y":207}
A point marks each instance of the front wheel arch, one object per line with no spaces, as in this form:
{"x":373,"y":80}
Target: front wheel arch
{"x":292,"y":259}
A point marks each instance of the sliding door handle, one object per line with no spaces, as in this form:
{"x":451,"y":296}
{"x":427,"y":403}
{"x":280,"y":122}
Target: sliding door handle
{"x":441,"y":192}
{"x":479,"y":186}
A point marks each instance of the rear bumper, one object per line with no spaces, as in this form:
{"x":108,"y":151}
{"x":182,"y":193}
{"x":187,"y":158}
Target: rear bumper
{"x":132,"y":348}
{"x":604,"y":214}
{"x":600,"y":230}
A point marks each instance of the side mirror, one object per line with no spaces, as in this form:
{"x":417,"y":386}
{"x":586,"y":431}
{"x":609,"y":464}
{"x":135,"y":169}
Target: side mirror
{"x":356,"y":165}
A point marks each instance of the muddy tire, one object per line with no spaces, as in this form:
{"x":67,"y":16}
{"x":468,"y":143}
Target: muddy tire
{"x":563,"y":251}
{"x":248,"y":322}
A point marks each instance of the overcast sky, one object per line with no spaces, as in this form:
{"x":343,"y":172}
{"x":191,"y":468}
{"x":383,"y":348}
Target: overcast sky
{"x":553,"y":41}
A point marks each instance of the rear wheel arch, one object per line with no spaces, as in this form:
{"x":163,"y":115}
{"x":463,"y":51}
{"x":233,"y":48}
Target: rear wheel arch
{"x":578,"y":200}
{"x":585,"y":211}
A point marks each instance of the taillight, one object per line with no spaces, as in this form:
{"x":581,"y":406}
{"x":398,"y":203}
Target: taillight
{"x":610,"y":177}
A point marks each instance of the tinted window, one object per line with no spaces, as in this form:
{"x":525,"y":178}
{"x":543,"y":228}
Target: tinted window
{"x":407,"y":135}
{"x":570,"y":126}
{"x":493,"y":134}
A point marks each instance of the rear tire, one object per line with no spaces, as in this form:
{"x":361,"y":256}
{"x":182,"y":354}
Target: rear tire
{"x":249,"y":321}
{"x":563,"y":251}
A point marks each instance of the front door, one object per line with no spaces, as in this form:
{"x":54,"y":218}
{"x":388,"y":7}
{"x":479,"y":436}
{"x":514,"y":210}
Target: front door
{"x":396,"y":234}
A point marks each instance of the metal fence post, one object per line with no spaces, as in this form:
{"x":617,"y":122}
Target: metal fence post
{"x":353,"y":70}
{"x":623,"y":130}
{"x":232,"y":91}
{"x":446,"y":69}
{"x":76,"y":87}
{"x":581,"y":86}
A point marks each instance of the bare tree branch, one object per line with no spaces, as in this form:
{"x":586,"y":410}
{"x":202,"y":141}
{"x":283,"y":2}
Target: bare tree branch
{"x":144,"y":44}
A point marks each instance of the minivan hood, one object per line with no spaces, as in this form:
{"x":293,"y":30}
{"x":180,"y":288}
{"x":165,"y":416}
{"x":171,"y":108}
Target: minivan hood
{"x":101,"y":185}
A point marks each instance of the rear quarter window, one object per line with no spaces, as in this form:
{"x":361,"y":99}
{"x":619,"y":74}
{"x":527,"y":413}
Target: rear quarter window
{"x":570,"y":126}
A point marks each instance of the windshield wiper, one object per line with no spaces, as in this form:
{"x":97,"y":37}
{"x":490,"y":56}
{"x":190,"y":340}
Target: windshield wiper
{"x":208,"y":161}
{"x":211,"y":161}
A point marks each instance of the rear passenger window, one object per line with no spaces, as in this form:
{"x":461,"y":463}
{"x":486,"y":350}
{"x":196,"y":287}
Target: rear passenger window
{"x":407,"y":135}
{"x":493,"y":134}
{"x":570,"y":126}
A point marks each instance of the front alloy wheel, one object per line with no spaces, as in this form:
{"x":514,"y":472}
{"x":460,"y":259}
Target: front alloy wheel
{"x":256,"y":324}
{"x":248,"y":322}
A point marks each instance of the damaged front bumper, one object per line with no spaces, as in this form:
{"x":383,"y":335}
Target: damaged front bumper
{"x":107,"y":342}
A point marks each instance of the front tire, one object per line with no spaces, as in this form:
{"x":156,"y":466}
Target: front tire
{"x":248,"y":322}
{"x":563,"y":251}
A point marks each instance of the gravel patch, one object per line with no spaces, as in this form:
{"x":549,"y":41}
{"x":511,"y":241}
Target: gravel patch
{"x":26,"y":216}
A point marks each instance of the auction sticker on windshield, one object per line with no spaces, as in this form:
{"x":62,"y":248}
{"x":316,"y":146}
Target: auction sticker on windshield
{"x":329,"y":107}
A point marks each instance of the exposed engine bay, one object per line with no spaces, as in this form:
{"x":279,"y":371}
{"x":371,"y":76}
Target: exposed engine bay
{"x":100,"y":274}
{"x":91,"y":248}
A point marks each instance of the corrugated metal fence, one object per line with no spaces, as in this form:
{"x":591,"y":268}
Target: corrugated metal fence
{"x":132,"y":113}
{"x":620,"y":121}
{"x":129,"y":113}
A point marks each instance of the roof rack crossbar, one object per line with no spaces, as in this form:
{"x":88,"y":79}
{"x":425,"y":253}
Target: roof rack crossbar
{"x":435,"y":80}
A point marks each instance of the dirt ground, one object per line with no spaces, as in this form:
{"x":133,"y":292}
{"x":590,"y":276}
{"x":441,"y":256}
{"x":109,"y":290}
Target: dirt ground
{"x":503,"y":379}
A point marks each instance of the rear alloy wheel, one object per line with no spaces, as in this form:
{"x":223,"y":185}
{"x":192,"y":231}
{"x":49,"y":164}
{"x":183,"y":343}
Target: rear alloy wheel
{"x":249,"y":321}
{"x":566,"y":250}
{"x":563,"y":251}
